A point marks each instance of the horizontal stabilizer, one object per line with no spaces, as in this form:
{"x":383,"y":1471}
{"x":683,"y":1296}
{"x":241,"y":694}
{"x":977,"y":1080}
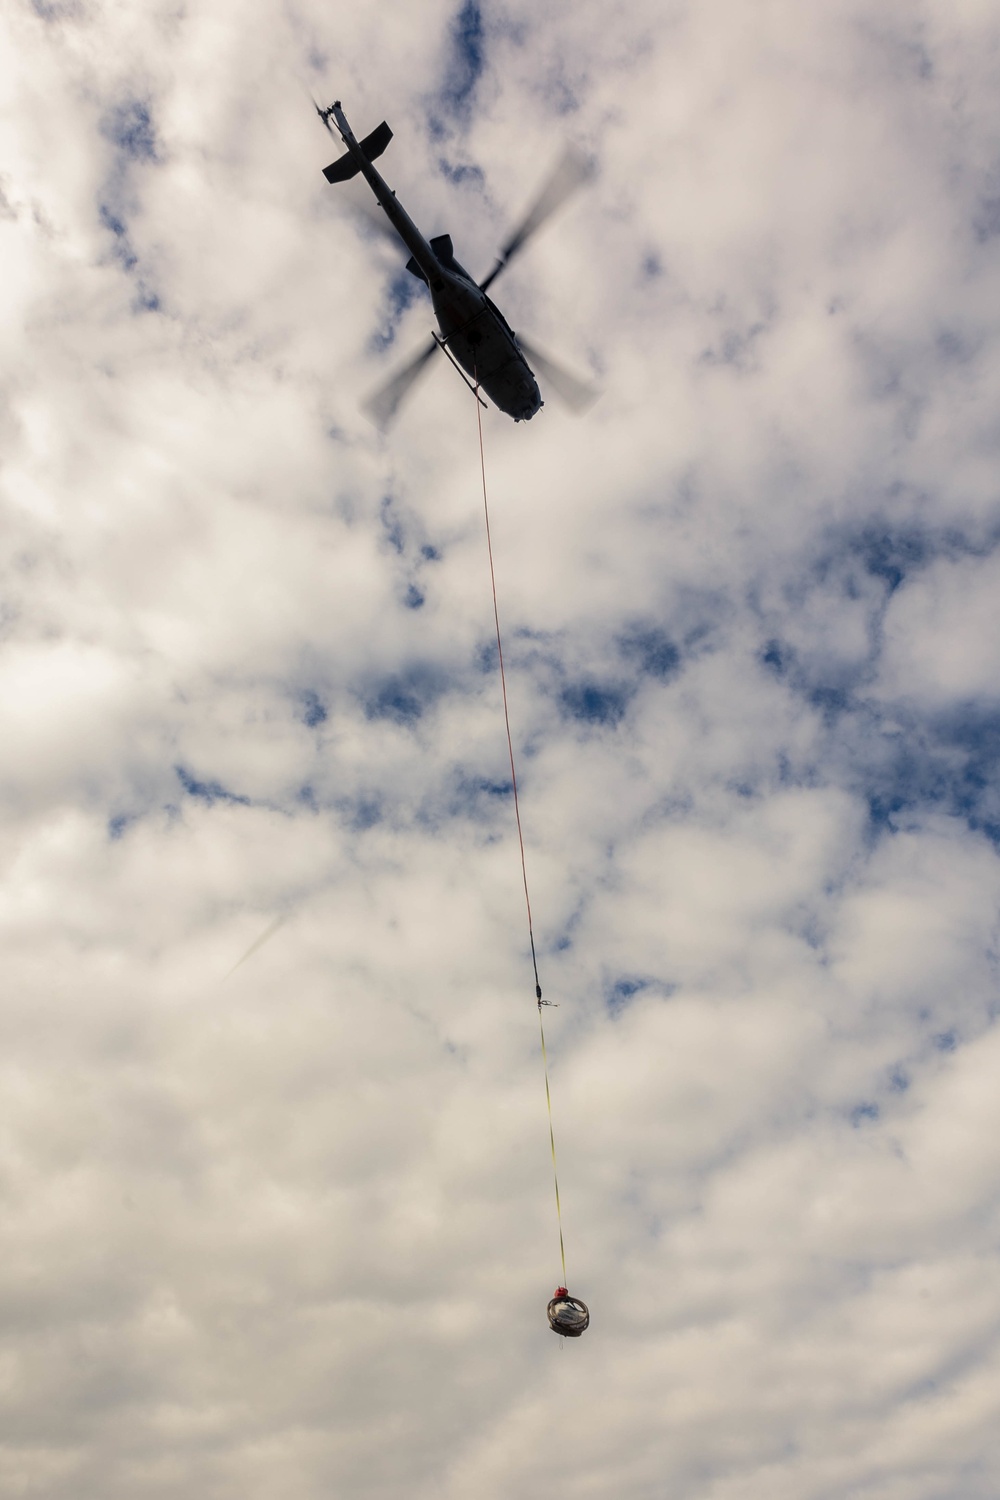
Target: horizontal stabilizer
{"x":372,"y":146}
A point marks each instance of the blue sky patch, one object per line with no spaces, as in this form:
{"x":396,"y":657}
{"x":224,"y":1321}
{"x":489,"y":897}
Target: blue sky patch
{"x":469,"y":796}
{"x":737,"y":348}
{"x":948,"y":764}
{"x":130,"y":127}
{"x":468,"y":58}
{"x":313,"y":710}
{"x":404,"y":697}
{"x":207,"y":791}
{"x":392,"y":524}
{"x":830,"y":698}
{"x":652,"y":650}
{"x":890,"y":557}
{"x":776,"y":657}
{"x":987,"y":220}
{"x":460,"y":172}
{"x":597,"y":703}
{"x":487,"y":658}
{"x":901,"y":760}
{"x":361,"y":813}
{"x":622,"y":992}
{"x":402,"y":292}
{"x":116,"y":224}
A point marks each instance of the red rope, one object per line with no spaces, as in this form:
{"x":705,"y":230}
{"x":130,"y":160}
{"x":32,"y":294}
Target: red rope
{"x":503,"y":688}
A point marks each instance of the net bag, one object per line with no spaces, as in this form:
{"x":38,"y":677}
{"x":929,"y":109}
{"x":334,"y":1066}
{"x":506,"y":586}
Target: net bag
{"x":568,"y":1315}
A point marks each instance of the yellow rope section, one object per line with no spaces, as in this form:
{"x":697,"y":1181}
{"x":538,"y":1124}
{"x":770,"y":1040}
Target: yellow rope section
{"x":552,"y":1143}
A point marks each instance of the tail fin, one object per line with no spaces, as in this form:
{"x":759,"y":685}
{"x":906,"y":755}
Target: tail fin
{"x":373,"y":145}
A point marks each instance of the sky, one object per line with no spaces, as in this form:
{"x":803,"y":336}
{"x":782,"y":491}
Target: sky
{"x":278,"y":1208}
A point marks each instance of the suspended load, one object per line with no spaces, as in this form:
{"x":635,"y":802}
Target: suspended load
{"x":568,"y":1315}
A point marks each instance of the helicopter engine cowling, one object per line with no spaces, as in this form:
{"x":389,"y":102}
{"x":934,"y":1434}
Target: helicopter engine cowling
{"x":444,"y":250}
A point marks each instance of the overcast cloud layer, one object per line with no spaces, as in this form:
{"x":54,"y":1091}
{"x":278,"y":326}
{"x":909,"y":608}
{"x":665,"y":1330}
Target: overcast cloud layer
{"x":285,"y":1226}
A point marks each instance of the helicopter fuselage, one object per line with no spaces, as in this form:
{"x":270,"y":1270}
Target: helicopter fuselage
{"x":472,"y":328}
{"x":477,"y":334}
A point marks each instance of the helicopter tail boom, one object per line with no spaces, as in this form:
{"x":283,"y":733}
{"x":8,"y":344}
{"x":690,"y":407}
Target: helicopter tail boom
{"x":348,"y":166}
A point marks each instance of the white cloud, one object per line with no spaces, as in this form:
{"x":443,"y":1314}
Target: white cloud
{"x":940,"y":634}
{"x":289,"y":1226}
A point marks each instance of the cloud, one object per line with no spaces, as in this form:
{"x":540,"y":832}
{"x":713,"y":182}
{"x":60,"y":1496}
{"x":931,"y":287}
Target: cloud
{"x":295,"y":1232}
{"x":939,"y":638}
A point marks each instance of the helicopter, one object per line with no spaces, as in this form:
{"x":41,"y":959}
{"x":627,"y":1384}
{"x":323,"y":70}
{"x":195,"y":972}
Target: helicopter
{"x":474,"y":333}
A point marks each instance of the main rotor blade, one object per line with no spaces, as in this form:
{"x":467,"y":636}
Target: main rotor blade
{"x":576,"y":393}
{"x":571,"y":171}
{"x":383,"y":404}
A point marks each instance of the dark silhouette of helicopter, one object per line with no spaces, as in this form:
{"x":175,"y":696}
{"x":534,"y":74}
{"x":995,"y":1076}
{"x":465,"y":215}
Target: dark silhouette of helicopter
{"x":473,"y":331}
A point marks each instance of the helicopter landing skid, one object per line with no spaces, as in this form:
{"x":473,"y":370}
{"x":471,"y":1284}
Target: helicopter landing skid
{"x":443,"y":344}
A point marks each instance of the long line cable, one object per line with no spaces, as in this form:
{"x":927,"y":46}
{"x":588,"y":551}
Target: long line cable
{"x":552,"y":1143}
{"x":520,"y":834}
